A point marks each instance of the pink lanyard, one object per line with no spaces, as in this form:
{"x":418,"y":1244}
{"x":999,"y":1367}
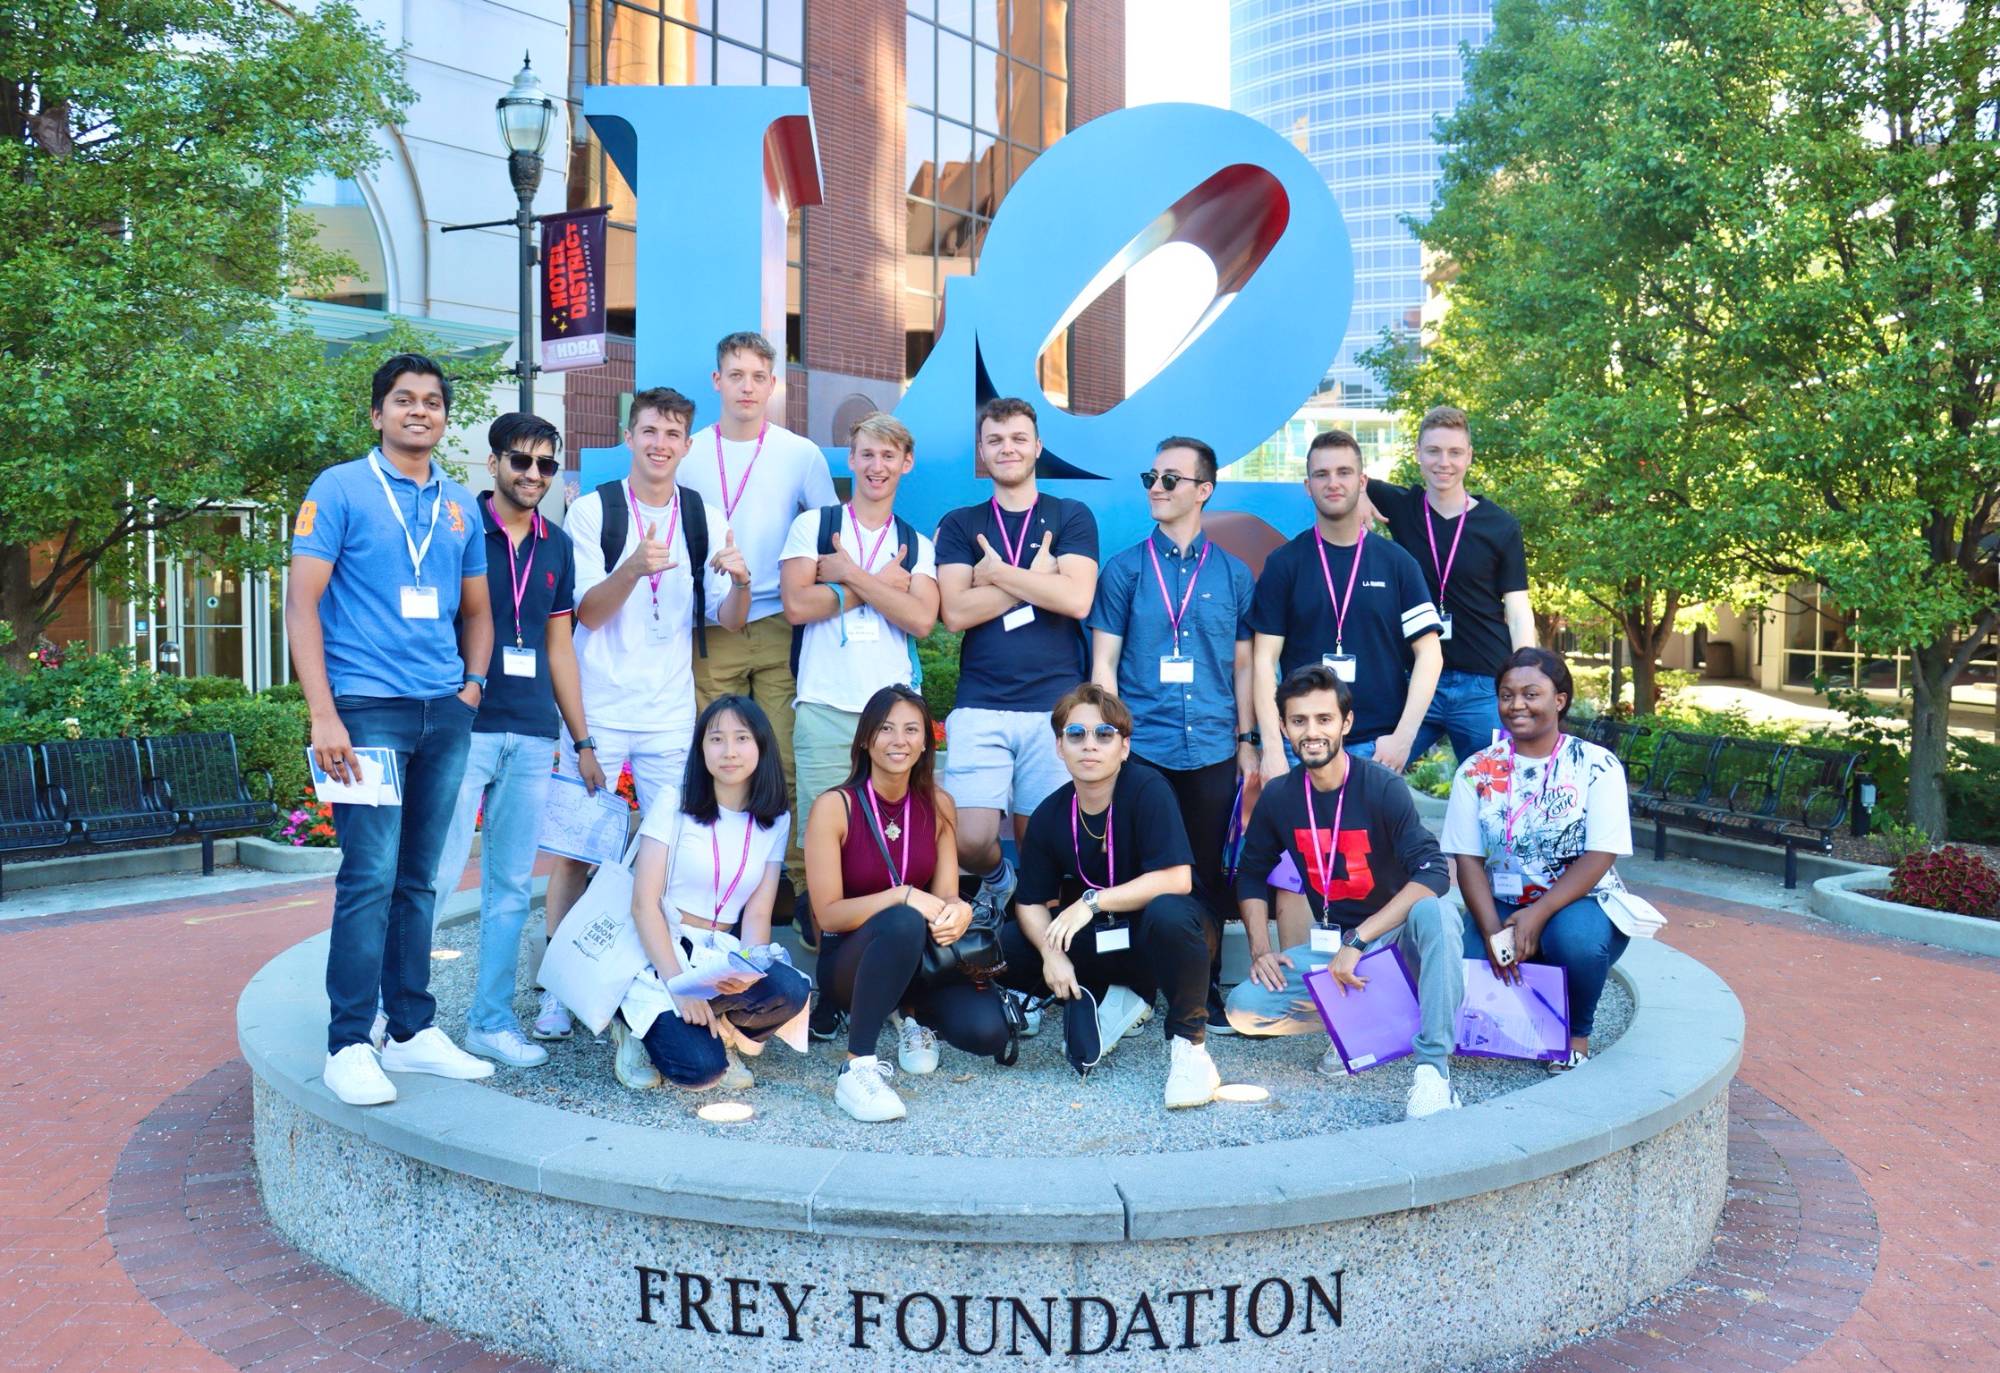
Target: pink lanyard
{"x":1339,"y":605}
{"x":519,"y":583}
{"x":1323,"y":865}
{"x":715,"y":850}
{"x":868,"y":563}
{"x":1526,"y":801}
{"x":1014,"y":550}
{"x":902,"y":821}
{"x":1444,"y":568}
{"x":1110,"y":848}
{"x":1174,"y":617}
{"x":639,"y":523}
{"x":729,"y":503}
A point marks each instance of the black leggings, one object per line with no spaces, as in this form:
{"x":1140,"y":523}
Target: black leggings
{"x":869,"y":972}
{"x":1172,"y":939}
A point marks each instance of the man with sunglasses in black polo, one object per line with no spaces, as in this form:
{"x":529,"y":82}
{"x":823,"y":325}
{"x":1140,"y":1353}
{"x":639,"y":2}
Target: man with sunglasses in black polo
{"x":531,"y":575}
{"x":1169,"y":636}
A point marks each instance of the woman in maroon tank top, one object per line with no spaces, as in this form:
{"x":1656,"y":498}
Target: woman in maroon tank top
{"x":882,"y":867}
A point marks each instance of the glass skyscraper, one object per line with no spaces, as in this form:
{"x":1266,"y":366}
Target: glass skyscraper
{"x":1357,"y":86}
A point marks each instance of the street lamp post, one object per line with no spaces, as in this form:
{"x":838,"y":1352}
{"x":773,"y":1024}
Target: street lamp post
{"x":526,"y":115}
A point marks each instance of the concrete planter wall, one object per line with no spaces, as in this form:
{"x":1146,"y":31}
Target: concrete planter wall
{"x":1841,"y":899}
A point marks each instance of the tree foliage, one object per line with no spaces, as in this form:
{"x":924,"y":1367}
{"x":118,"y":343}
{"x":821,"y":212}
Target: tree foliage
{"x":1720,"y":303}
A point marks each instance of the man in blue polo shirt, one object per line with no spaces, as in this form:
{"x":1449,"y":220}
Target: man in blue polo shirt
{"x":1354,"y":604}
{"x":1169,"y":639}
{"x":531,"y":582}
{"x":386,"y":553}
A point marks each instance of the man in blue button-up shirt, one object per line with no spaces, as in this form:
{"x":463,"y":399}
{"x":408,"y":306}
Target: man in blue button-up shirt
{"x":1168,"y":636}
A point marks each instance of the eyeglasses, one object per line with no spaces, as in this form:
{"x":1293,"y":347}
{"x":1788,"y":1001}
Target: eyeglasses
{"x":1167,"y":480}
{"x":1105,"y":733}
{"x":521,"y":462}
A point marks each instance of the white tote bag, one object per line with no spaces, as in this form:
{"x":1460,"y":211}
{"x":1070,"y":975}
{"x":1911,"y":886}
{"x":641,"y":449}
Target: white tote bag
{"x":595,"y":953}
{"x":1631,"y":914}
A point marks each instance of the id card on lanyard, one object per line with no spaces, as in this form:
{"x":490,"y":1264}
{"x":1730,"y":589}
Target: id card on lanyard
{"x":863,"y":624}
{"x":1443,"y":569}
{"x":1340,"y":660}
{"x":1509,"y":878}
{"x":518,"y":660}
{"x":1177,"y":667}
{"x":419,"y":602}
{"x":1325,"y":934}
{"x":1013,"y":549}
{"x":1109,"y":936}
{"x":658,"y":630}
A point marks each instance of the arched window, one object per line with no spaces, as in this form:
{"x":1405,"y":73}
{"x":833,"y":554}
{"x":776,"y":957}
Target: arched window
{"x":346,"y":225}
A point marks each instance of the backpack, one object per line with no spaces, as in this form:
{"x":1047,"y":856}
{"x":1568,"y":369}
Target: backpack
{"x":694,"y":525}
{"x":829,"y":525}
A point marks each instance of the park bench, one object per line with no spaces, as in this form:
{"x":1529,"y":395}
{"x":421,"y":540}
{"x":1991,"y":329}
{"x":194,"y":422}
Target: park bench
{"x":1748,"y":789}
{"x":207,"y":790}
{"x":1624,"y":741}
{"x":110,"y":798}
{"x":33,"y":815}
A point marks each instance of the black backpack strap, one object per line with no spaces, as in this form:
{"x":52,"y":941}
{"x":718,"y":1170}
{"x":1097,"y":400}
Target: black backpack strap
{"x":694,"y":524}
{"x":829,"y":525}
{"x":616,"y":525}
{"x":907,"y":537}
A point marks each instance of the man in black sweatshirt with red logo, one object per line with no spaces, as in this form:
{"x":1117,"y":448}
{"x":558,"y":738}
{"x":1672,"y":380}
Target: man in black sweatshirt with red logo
{"x":1343,"y":832}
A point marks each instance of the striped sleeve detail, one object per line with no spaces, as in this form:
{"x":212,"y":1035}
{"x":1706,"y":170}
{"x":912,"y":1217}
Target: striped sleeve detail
{"x":1421,"y":618}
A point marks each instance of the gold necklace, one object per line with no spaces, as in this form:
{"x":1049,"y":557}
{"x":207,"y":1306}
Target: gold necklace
{"x":1086,"y":826}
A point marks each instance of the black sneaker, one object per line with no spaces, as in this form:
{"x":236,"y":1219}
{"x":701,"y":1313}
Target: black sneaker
{"x":802,"y":920}
{"x":827,"y":1022}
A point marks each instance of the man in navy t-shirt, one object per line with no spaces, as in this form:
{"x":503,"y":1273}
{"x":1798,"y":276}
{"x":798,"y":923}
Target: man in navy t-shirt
{"x":1016,"y":574}
{"x":1355,"y":604}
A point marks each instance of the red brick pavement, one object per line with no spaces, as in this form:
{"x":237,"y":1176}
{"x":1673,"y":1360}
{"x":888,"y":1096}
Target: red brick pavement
{"x":1861,"y":1068}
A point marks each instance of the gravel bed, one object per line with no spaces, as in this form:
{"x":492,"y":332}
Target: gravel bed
{"x":973,"y":1107}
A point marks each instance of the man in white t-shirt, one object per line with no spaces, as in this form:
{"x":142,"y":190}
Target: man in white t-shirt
{"x":757,"y":475}
{"x":636,"y":628}
{"x":858,"y":605}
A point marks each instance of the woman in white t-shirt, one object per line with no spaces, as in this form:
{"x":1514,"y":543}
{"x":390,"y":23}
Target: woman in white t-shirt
{"x":703,"y":883}
{"x":1535,"y":823}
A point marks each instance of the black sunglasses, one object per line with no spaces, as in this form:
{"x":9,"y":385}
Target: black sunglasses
{"x":1105,"y":733}
{"x":1168,"y":480}
{"x":521,"y":462}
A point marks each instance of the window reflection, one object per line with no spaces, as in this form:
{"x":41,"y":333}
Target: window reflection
{"x":343,"y":224}
{"x":988,"y":88}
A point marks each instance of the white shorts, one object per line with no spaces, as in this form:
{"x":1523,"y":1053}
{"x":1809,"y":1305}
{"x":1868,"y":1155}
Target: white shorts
{"x":658,"y":759}
{"x":1001,"y":759}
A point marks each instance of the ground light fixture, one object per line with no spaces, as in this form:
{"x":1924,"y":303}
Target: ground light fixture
{"x":1242,"y":1092}
{"x":446,"y":955}
{"x":727,"y":1112}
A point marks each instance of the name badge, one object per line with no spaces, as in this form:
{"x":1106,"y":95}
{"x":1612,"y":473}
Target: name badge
{"x":1325,"y":940}
{"x":1113,"y":938}
{"x":1444,"y":625}
{"x":863,"y":626}
{"x":517,"y":662}
{"x":1342,"y":665}
{"x":658,"y":629}
{"x":1018,"y":616}
{"x":420,"y":603}
{"x":1176,"y":668}
{"x":1507,"y":879}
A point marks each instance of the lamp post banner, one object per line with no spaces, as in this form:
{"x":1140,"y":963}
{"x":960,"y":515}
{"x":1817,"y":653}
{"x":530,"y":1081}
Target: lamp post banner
{"x":572,"y":290}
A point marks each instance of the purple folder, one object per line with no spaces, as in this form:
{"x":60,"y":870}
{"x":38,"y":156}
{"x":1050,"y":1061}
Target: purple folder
{"x":1501,"y":1020}
{"x":1375,"y":1024}
{"x":1285,"y":875}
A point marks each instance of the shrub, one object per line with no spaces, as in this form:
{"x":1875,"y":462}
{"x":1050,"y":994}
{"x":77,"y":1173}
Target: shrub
{"x":1972,"y":790}
{"x":269,"y":734}
{"x":89,"y":696}
{"x":1949,"y":878}
{"x":198,"y":690}
{"x":1432,"y":773}
{"x":938,"y":654}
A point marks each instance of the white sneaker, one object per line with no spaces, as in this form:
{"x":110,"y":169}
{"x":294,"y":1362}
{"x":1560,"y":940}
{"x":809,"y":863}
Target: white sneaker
{"x":1191,"y":1075}
{"x":1120,"y":1013}
{"x":552,"y":1019}
{"x":431,"y":1051}
{"x":1430,"y":1092}
{"x":378,"y":1033}
{"x":630,"y":1063}
{"x":865,"y":1094}
{"x":1000,"y":897}
{"x":735,"y":1077}
{"x":1577,"y":1058}
{"x":507,"y":1046}
{"x":916,"y":1047}
{"x":1329,"y":1064}
{"x":356,"y":1078}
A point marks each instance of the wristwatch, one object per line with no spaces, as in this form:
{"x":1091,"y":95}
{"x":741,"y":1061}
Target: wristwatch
{"x":1090,"y":900}
{"x":586,"y":742}
{"x":1251,"y":737}
{"x":474,"y":679}
{"x":1352,"y":939}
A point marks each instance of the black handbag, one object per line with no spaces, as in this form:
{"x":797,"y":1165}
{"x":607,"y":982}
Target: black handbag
{"x":974,"y":956}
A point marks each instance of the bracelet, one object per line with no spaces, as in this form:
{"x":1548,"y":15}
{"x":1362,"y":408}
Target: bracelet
{"x":840,"y":611}
{"x":475,"y":679}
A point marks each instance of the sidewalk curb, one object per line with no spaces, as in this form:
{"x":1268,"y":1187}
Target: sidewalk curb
{"x":1839,"y":899}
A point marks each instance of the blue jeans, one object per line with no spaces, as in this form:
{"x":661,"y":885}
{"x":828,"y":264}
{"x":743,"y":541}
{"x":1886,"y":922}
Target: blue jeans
{"x":1582,"y":941}
{"x":689,"y":1056}
{"x":509,"y":775}
{"x":1430,"y":938}
{"x":1466,"y":706}
{"x":383,"y":895}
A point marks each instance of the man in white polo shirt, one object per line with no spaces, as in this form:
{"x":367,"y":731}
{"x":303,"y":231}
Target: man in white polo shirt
{"x":641,"y":614}
{"x":758,"y":476}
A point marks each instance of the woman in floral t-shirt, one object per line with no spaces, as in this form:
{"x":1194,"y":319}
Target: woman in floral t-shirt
{"x":1534,"y":825}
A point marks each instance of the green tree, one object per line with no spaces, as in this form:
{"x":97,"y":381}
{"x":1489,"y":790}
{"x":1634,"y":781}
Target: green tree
{"x":150,"y":368}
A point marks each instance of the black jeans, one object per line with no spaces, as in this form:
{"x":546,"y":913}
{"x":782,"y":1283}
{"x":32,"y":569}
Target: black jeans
{"x":869,"y":972}
{"x":1172,"y":942}
{"x":1207,"y":798}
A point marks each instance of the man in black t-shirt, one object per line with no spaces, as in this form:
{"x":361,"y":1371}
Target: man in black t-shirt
{"x":1344,"y":834}
{"x":1016,"y":575}
{"x":1104,"y":903}
{"x":1353,"y":604}
{"x":1471,"y":554}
